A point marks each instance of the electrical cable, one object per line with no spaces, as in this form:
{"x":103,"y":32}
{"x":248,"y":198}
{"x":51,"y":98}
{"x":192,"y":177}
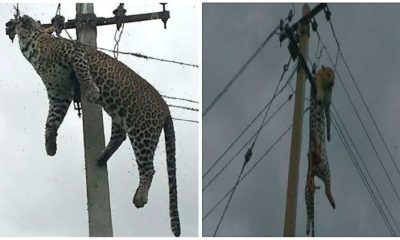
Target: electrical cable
{"x":362,"y":175}
{"x":182,"y":99}
{"x":183,"y":107}
{"x":140,"y":55}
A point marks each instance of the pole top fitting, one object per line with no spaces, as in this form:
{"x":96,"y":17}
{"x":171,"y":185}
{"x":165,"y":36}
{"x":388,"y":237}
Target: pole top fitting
{"x":306,"y":9}
{"x":85,"y":18}
{"x":119,"y":14}
{"x":58,"y":23}
{"x":165,"y":15}
{"x":327,"y":13}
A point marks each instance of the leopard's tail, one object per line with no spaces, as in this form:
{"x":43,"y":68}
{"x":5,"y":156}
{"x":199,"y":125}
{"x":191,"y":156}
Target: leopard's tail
{"x":171,"y":167}
{"x":328,"y":100}
{"x":326,"y":178}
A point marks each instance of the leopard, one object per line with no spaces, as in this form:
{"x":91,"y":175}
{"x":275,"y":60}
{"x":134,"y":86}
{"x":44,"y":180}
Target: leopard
{"x":318,"y":165}
{"x":136,"y":108}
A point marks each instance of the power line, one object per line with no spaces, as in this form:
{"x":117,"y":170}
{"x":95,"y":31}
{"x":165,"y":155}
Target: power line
{"x":369,"y":138}
{"x":362,"y":97}
{"x":241,"y":70}
{"x":285,"y":68}
{"x":230,"y":197}
{"x":183,"y":107}
{"x":140,"y":55}
{"x":249,"y":171}
{"x":244,"y":145}
{"x":328,"y":18}
{"x":363,"y":178}
{"x":344,"y":141}
{"x":182,"y":99}
{"x":251,"y":123}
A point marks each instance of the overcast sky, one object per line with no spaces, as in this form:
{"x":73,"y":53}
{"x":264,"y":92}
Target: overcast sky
{"x":369,"y":36}
{"x":46,"y":196}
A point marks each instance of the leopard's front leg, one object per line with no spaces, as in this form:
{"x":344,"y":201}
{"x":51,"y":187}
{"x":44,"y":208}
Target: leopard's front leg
{"x":82,"y":70}
{"x":118,"y":136}
{"x":58,"y":107}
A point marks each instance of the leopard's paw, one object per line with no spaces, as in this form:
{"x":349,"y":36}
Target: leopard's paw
{"x":140,"y":198}
{"x":51,"y":148}
{"x":51,"y":142}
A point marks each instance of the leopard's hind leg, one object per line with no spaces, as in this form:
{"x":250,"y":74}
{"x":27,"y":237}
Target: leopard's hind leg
{"x":144,"y":144}
{"x":58,"y":107}
{"x":118,"y":136}
{"x":324,"y":174}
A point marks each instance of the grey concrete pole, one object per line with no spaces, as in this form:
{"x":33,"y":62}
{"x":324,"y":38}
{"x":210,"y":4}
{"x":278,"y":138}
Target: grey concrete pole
{"x":98,"y":194}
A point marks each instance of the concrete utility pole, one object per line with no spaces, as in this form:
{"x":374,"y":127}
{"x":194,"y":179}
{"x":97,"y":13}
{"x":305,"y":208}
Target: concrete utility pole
{"x":97,"y":188}
{"x":293,"y":175}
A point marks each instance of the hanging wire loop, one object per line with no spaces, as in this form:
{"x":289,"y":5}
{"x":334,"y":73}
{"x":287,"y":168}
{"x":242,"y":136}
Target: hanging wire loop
{"x":119,"y":14}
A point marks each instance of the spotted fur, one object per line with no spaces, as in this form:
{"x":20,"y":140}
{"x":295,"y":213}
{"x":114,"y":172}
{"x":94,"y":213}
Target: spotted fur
{"x":135,"y":106}
{"x":320,"y":100}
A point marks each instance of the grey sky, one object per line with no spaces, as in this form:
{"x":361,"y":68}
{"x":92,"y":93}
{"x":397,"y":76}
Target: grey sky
{"x":369,"y":36}
{"x":46,"y":196}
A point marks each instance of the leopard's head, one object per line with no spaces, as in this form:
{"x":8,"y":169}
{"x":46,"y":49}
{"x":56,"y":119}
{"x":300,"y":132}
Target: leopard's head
{"x":27,"y":28}
{"x":329,"y":78}
{"x":324,"y":80}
